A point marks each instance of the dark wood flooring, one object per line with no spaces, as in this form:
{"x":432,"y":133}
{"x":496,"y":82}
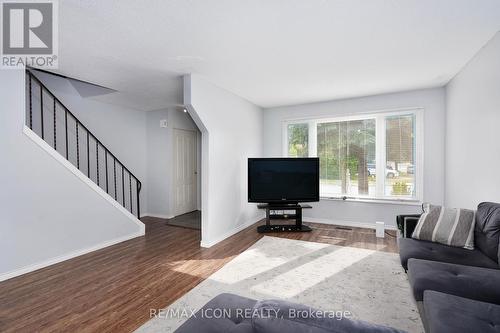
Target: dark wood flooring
{"x":112,"y":290}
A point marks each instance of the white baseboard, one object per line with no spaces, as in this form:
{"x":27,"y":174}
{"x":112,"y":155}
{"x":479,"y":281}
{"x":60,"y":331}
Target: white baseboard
{"x":228,"y":234}
{"x":52,"y":261}
{"x":80,"y":175}
{"x":347,"y":223}
{"x":211,"y":243}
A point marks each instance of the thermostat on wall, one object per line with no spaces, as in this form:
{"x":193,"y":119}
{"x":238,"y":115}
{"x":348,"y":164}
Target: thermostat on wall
{"x":163,"y":123}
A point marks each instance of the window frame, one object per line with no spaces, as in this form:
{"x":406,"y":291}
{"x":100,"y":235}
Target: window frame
{"x":380,"y":147}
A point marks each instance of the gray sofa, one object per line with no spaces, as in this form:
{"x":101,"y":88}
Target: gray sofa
{"x":486,"y":238}
{"x":244,"y":315}
{"x":453,"y":314}
{"x":417,"y":249}
{"x":445,"y":279}
{"x":481,"y":284}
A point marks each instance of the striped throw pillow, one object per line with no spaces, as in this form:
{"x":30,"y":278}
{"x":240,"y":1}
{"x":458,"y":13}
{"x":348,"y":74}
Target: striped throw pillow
{"x":449,"y":226}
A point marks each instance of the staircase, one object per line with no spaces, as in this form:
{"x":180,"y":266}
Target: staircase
{"x":58,"y":127}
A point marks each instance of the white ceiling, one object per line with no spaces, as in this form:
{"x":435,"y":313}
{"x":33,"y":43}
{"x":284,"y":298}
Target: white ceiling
{"x":271,"y":52}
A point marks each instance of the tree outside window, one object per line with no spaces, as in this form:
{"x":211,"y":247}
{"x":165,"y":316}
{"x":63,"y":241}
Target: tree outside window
{"x":349,"y":160}
{"x":298,"y":138}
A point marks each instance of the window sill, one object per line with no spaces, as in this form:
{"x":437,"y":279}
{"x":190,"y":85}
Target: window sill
{"x":406,"y":202}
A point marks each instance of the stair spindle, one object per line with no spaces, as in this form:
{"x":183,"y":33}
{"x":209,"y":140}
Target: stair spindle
{"x":78,"y":124}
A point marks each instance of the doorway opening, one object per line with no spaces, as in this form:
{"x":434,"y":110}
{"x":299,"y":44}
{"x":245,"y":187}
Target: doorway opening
{"x":186,"y":180}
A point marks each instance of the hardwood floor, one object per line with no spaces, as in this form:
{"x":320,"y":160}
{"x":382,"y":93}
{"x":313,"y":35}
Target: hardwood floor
{"x":112,"y":290}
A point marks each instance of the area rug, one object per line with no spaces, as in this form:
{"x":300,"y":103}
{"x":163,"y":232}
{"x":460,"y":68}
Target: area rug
{"x":370,"y":285}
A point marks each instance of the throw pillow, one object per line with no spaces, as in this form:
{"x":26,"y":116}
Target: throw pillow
{"x":449,"y":226}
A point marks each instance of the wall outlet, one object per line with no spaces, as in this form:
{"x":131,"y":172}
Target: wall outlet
{"x":380,"y":229}
{"x":163,"y":123}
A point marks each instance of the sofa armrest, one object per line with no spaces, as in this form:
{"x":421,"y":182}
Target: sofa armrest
{"x":283,"y":316}
{"x":477,"y":283}
{"x":231,"y":316}
{"x":407,"y":223}
{"x":448,"y":313}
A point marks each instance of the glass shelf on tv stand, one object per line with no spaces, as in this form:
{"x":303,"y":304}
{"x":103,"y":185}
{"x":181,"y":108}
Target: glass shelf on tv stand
{"x":272,"y":215}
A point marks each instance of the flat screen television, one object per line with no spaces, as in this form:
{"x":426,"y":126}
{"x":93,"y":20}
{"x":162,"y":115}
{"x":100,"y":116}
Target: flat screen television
{"x":283,"y":180}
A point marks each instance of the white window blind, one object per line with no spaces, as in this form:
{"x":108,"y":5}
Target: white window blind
{"x":370,"y":156}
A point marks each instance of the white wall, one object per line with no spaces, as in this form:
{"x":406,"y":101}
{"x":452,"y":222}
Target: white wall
{"x":364,"y":213}
{"x":231,"y":133}
{"x":472,"y":140}
{"x":158,"y":165}
{"x":45,"y":209}
{"x":135,"y":137}
{"x":160,"y":159}
{"x":121,"y":130}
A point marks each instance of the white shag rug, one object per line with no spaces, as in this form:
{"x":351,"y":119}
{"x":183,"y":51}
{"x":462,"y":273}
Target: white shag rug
{"x":369,"y":284}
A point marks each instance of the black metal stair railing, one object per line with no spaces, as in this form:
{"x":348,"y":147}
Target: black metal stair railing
{"x":45,"y":113}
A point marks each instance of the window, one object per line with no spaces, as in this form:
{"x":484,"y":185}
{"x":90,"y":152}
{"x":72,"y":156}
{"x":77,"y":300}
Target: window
{"x":298,"y":138}
{"x":400,"y":156}
{"x":373,"y":156}
{"x":345,"y":150}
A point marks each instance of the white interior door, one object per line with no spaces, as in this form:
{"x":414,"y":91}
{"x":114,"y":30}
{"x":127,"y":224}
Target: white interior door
{"x":185,"y":173}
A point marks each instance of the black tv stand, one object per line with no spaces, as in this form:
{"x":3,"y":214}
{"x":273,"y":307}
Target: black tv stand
{"x":272,"y":215}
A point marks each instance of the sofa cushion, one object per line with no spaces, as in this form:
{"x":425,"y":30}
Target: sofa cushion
{"x":448,"y":226}
{"x":452,"y":314}
{"x":412,"y":248}
{"x":487,"y":229}
{"x":235,"y":322}
{"x":471,"y":282}
{"x":291,"y":318}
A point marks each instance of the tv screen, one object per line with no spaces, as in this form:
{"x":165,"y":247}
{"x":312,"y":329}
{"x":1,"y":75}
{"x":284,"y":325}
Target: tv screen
{"x":283,"y":180}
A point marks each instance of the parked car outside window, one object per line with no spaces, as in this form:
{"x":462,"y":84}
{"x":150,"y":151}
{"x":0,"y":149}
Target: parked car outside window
{"x":389,"y":171}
